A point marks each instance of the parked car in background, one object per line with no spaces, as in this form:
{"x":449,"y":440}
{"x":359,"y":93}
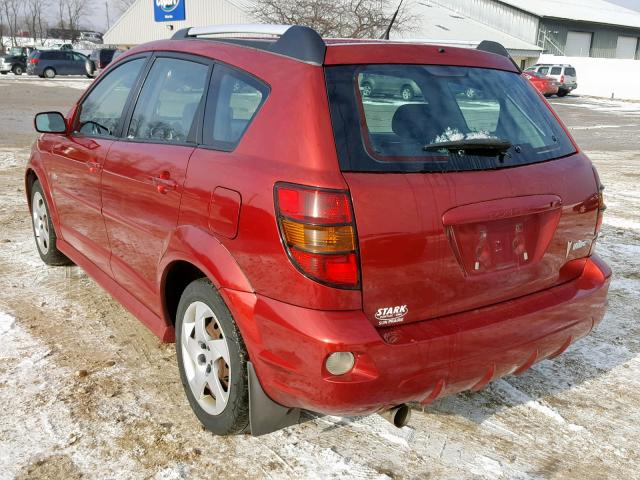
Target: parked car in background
{"x":545,"y":85}
{"x":49,"y":63}
{"x":60,"y":46}
{"x":565,"y":75}
{"x":101,"y":57}
{"x":93,"y":37}
{"x":387,"y":85}
{"x":377,"y":254}
{"x":15,"y":60}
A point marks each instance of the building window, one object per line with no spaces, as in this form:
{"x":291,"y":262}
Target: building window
{"x":627,"y":47}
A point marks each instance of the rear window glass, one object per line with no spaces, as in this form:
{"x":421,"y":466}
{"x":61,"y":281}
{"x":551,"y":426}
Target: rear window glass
{"x":570,"y":72}
{"x":556,"y":70}
{"x":393,"y":117}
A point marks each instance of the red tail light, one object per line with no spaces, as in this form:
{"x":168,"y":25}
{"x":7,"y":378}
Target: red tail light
{"x":33,"y":61}
{"x":562,"y":79}
{"x":317,"y":229}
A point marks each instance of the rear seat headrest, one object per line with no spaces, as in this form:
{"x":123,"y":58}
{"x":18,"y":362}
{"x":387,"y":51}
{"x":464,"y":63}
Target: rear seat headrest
{"x":414,"y":121}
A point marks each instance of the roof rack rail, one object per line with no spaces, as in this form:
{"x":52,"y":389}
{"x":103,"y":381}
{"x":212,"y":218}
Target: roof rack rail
{"x":295,"y":41}
{"x":497,"y":48}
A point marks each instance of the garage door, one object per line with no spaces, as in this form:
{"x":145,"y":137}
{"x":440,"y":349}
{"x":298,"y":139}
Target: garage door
{"x":626,"y":47}
{"x":578,"y":44}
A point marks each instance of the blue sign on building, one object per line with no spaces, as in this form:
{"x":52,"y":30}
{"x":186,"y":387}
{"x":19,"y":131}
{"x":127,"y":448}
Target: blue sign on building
{"x":168,"y":10}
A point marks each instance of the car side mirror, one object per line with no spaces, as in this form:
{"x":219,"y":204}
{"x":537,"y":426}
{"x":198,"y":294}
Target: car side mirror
{"x":50,"y":122}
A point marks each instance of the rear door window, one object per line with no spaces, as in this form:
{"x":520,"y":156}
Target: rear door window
{"x":556,"y":70}
{"x":169,"y":101}
{"x":386,"y":132}
{"x":234,"y":100}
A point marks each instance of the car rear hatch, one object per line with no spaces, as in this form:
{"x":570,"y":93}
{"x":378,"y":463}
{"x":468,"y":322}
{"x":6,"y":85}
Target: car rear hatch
{"x":468,"y":195}
{"x":570,"y":77}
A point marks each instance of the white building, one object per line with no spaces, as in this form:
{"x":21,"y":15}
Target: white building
{"x":139,"y":24}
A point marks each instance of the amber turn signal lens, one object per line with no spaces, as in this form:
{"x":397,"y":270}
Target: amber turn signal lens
{"x":318,"y":238}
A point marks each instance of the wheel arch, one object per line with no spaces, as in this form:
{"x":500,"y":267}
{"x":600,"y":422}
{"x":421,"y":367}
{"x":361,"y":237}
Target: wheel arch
{"x":32,"y":173}
{"x":30,"y":178}
{"x":194,"y":253}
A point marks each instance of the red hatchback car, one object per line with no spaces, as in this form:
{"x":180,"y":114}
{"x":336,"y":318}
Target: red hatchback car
{"x":324,"y":250}
{"x":547,"y":86}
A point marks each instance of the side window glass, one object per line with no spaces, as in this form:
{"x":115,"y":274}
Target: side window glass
{"x":236,"y":99}
{"x":556,"y":70}
{"x":543,"y":70}
{"x":101,"y":112}
{"x":169,"y":101}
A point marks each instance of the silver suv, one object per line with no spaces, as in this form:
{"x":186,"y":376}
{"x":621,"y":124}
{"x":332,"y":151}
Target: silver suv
{"x":564,"y":74}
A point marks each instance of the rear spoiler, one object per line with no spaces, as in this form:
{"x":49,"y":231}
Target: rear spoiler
{"x":496,"y":48}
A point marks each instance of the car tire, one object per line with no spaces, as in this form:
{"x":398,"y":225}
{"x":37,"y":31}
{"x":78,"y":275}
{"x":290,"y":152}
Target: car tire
{"x":406,"y":92}
{"x":17,"y":70}
{"x":562,"y":93}
{"x":90,"y":68}
{"x":49,"y":73}
{"x":43,"y":231}
{"x":211,"y":357}
{"x":367,"y":89}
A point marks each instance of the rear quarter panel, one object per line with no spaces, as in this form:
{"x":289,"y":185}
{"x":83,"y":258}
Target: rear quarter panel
{"x":289,"y":140}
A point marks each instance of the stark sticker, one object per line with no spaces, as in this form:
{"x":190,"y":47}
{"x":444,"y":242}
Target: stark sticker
{"x":389,"y":315}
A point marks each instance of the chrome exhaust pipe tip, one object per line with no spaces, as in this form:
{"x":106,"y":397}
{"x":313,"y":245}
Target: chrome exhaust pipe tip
{"x":398,"y":416}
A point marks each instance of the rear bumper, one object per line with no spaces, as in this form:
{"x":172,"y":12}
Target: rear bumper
{"x":417,"y":362}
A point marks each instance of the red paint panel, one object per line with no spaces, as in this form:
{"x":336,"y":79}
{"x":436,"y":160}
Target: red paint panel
{"x":224,"y":212}
{"x":409,"y":257}
{"x":425,"y":359}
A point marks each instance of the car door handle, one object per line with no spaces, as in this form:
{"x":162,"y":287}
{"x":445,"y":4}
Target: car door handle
{"x":94,"y":167}
{"x":163,"y":183}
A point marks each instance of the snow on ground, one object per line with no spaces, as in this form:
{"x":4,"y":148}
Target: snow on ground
{"x":71,"y":81}
{"x":86,"y":391}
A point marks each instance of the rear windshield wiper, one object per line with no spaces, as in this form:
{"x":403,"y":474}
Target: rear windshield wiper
{"x":478,"y":146}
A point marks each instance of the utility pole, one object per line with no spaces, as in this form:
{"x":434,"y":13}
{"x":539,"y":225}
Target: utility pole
{"x":106,"y":6}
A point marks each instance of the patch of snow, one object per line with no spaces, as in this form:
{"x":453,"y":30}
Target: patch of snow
{"x":8,"y":158}
{"x":76,"y":82}
{"x":516,"y":396}
{"x":7,"y":322}
{"x":454,"y":135}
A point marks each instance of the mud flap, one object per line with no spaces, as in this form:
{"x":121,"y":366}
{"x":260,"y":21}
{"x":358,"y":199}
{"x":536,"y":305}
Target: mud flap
{"x":265,"y":415}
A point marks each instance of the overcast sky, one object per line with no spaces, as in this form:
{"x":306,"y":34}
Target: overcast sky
{"x":632,"y":4}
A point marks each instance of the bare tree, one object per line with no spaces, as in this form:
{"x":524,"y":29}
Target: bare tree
{"x":336,"y":18}
{"x":60,"y":10}
{"x":123,"y":5}
{"x":76,"y":10}
{"x":1,"y":27}
{"x":11,"y":10}
{"x":70,"y":13}
{"x":35,"y":21}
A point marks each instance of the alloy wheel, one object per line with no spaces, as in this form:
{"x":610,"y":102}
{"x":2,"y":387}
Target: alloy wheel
{"x":40,"y":222}
{"x":205,"y":356}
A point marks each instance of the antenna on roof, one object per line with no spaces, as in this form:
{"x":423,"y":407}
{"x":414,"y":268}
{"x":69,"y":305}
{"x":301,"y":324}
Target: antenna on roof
{"x":385,"y":35}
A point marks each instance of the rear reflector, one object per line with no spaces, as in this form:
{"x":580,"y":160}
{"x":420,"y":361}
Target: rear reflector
{"x":316,"y":226}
